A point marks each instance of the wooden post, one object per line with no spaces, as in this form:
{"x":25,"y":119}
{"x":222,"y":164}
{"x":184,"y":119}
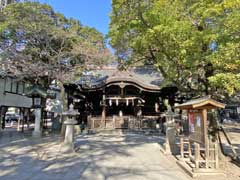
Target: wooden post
{"x":38,"y":118}
{"x":206,"y":142}
{"x":190,"y":148}
{"x":216,"y":155}
{"x":103,"y":119}
{"x":197,"y":155}
{"x":182,"y":146}
{"x":122,"y":91}
{"x":189,"y":144}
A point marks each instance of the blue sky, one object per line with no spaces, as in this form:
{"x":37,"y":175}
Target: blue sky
{"x":93,"y":13}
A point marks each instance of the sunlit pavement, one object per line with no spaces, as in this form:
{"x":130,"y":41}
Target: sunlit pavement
{"x":233,"y":132}
{"x":106,"y":156}
{"x":96,"y":157}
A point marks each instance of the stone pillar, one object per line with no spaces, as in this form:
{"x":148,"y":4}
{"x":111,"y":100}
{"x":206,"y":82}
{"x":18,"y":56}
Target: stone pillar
{"x":139,"y":116}
{"x":68,"y":145}
{"x":1,"y":116}
{"x":19,"y":120}
{"x":18,"y":123}
{"x":103,"y":115}
{"x":170,"y":144}
{"x":166,"y":145}
{"x":37,"y":128}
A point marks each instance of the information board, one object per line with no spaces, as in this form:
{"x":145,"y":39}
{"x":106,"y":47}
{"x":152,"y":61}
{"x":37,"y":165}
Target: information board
{"x":196,"y":131}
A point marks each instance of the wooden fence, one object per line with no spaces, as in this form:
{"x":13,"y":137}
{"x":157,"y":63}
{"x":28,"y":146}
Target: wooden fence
{"x":125,"y":122}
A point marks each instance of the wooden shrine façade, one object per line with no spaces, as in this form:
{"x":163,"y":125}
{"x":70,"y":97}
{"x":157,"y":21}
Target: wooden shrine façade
{"x":110,"y":98}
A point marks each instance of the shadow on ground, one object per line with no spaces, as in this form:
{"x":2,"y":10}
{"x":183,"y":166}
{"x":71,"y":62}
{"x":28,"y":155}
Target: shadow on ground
{"x":99,"y":156}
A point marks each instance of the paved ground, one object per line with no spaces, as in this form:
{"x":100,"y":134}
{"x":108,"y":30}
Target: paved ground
{"x":97,"y":157}
{"x":233,"y":132}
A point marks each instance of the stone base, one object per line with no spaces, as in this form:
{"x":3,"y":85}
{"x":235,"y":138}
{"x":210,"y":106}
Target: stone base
{"x":67,"y":148}
{"x":36,"y":134}
{"x":167,"y":149}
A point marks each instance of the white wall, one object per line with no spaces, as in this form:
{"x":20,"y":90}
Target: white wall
{"x":14,"y":100}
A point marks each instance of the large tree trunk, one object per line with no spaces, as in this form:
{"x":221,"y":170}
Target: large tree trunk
{"x":64,"y":107}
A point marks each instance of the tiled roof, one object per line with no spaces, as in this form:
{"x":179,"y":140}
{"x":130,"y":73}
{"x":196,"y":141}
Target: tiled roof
{"x":201,"y":102}
{"x":146,"y":76}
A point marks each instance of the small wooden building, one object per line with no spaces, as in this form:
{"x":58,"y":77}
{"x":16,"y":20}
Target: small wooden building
{"x":111,"y":98}
{"x":202,"y":151}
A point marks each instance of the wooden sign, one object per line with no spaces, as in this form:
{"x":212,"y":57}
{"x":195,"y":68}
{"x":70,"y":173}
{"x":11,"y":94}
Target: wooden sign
{"x":196,"y":127}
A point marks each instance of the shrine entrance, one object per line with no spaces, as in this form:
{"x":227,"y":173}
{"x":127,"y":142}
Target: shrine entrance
{"x":121,"y":108}
{"x":122,"y":99}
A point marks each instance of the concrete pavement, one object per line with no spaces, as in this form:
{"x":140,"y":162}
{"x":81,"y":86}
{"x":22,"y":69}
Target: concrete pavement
{"x":97,"y":157}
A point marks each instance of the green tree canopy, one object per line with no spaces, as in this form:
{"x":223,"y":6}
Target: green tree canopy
{"x":41,"y":45}
{"x":195,"y":44}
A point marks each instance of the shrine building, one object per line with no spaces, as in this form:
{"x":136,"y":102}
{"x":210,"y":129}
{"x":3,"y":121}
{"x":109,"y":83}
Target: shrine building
{"x":110,"y":98}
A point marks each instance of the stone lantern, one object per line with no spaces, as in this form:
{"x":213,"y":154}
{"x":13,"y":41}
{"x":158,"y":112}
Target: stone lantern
{"x":38,"y":95}
{"x":68,"y":145}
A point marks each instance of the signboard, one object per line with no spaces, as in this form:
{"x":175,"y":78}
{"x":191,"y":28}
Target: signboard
{"x":196,"y":131}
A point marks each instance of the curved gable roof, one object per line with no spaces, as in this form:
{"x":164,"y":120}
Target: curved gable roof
{"x":146,"y":77}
